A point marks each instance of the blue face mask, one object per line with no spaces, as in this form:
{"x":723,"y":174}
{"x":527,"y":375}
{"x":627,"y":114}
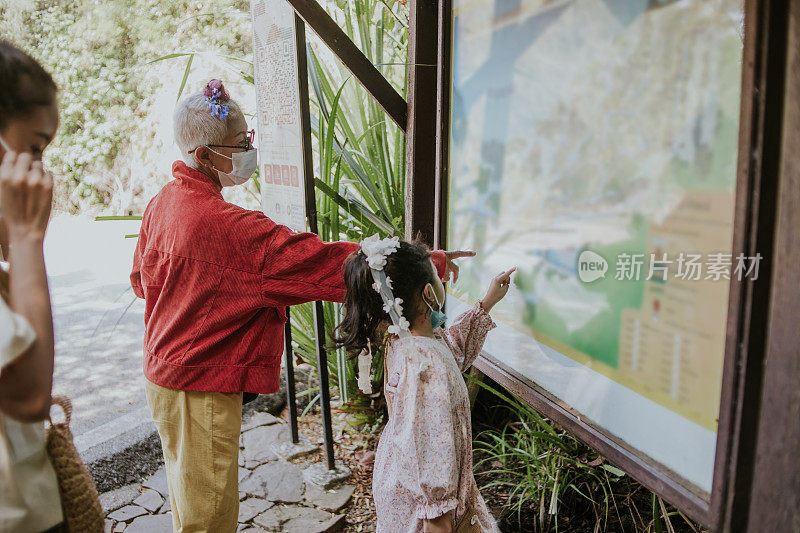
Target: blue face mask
{"x":438,"y":318}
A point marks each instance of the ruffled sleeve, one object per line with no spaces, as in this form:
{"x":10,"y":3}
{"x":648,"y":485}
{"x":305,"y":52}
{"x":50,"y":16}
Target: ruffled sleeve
{"x":16,"y":335}
{"x":467,"y":334}
{"x":429,"y":465}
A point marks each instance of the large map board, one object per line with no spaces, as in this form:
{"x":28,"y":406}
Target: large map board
{"x":594,"y":145}
{"x":280,"y":137}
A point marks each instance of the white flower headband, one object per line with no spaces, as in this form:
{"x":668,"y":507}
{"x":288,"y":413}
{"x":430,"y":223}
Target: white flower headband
{"x":377,"y":250}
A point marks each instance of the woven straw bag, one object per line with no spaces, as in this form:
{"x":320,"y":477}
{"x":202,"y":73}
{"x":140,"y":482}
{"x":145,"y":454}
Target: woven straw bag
{"x":79,"y":500}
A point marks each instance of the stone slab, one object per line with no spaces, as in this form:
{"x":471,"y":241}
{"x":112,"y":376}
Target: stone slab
{"x":252,"y":507}
{"x":258,"y":444}
{"x":115,"y":499}
{"x":158,"y":482}
{"x":288,"y":450}
{"x":305,"y":525}
{"x":127,"y":513}
{"x":275,"y":481}
{"x":160,"y":523}
{"x":329,"y":500}
{"x":150,"y":500}
{"x":319,"y":475}
{"x":258,"y":420}
{"x":279,"y":517}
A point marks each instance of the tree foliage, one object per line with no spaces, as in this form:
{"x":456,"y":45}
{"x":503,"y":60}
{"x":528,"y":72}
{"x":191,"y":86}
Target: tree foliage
{"x":98,"y":53}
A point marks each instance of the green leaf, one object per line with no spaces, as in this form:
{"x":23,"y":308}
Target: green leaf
{"x":612,"y":470}
{"x":185,"y":76}
{"x":354,"y":207}
{"x":170,"y":56}
{"x":127,"y":217}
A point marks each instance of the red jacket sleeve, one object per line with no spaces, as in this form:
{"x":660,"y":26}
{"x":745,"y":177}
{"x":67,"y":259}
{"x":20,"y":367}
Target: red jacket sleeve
{"x":300,"y":268}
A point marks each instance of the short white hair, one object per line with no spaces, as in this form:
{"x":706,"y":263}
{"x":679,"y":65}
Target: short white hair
{"x":196,"y":126}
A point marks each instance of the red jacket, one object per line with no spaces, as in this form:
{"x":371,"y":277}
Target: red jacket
{"x":215,"y":279}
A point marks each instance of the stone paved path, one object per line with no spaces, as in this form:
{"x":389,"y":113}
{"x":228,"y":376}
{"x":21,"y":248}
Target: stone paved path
{"x":272,"y":492}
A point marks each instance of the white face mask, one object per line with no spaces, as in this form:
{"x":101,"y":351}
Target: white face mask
{"x":244,"y":165}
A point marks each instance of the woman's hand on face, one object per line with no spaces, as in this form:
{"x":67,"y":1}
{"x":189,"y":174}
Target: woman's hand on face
{"x":498,"y":288}
{"x":443,"y":524}
{"x":451,"y":266}
{"x":26,"y":196}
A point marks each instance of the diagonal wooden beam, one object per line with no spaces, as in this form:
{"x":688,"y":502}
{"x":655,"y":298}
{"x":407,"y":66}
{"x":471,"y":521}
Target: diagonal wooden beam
{"x":356,"y":62}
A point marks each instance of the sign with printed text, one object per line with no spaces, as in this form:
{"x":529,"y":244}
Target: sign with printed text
{"x":594,"y":145}
{"x":279,"y":130}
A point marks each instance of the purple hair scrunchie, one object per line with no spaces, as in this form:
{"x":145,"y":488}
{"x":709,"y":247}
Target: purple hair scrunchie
{"x":216,"y":96}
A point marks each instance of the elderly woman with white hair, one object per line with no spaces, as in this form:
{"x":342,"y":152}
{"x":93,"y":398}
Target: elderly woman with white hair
{"x":216,"y":279}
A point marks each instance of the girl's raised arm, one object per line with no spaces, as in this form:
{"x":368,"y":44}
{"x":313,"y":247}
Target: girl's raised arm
{"x":468,"y":333}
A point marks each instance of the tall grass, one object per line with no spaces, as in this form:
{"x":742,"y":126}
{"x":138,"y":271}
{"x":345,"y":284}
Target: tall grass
{"x":544,"y":472}
{"x":540,"y":467}
{"x":359,"y":161}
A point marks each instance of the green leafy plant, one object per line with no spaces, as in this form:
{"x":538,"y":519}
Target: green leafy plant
{"x":543,"y":471}
{"x":541,"y":467}
{"x":359,"y":169}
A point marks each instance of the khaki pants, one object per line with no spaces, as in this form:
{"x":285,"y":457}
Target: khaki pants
{"x":200,"y":439}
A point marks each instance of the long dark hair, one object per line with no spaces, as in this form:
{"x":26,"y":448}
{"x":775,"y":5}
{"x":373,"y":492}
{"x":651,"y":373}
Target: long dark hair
{"x":410,"y":270}
{"x":26,"y":84}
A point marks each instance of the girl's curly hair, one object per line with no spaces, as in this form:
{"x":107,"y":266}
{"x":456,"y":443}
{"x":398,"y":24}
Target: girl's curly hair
{"x":410,"y":270}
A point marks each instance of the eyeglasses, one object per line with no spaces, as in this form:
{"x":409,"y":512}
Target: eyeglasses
{"x":246,"y":144}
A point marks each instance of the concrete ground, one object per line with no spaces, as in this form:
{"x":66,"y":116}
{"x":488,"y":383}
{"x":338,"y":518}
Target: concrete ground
{"x":99,"y":327}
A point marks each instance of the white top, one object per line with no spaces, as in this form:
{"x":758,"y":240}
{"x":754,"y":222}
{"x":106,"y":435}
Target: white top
{"x":29,"y":499}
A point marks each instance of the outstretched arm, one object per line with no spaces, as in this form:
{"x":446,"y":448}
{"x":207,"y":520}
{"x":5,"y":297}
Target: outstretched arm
{"x":468,"y":332}
{"x":301,"y":267}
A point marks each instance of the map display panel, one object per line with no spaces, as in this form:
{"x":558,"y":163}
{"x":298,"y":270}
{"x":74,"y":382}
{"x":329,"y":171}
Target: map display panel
{"x":594,"y":145}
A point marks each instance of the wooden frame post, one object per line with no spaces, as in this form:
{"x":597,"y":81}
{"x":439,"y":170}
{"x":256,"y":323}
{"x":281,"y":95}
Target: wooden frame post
{"x":773,"y":498}
{"x":443,"y":74}
{"x":421,"y":132}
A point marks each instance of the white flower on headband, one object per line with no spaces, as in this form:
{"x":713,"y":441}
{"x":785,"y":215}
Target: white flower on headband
{"x":378,"y":285}
{"x":376,"y":250}
{"x":402,"y":324}
{"x":396,"y":305}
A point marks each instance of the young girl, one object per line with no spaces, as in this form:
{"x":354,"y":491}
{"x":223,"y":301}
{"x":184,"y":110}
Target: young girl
{"x":423,"y":478}
{"x":29,"y":496}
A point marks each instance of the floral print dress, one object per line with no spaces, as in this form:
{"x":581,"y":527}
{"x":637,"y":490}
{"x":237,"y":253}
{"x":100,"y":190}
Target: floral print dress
{"x":423,"y":465}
